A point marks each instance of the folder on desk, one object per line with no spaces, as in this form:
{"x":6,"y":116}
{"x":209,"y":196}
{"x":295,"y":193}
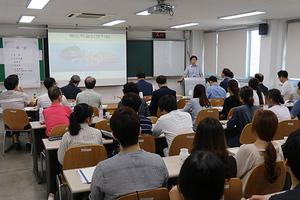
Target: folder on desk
{"x":86,"y":174}
{"x":107,"y":134}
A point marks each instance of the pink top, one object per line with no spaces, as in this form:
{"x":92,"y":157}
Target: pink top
{"x":56,"y":115}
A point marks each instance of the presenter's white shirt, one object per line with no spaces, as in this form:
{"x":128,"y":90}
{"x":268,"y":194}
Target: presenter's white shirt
{"x":281,"y":111}
{"x":287,"y":90}
{"x":44,"y":101}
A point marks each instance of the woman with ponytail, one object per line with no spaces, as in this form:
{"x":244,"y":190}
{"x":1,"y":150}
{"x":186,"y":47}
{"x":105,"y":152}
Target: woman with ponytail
{"x":233,"y":100}
{"x":263,"y":150}
{"x":258,"y":96}
{"x":80,"y":133}
{"x":275,"y":100}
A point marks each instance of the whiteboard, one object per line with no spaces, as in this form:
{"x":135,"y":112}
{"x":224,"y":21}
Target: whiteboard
{"x":168,"y":58}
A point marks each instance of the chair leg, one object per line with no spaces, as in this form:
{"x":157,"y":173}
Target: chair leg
{"x":4,"y":142}
{"x":59,"y":185}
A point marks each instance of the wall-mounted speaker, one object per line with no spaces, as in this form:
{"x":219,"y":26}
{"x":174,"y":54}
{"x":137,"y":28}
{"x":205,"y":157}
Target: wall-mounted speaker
{"x":263,"y":29}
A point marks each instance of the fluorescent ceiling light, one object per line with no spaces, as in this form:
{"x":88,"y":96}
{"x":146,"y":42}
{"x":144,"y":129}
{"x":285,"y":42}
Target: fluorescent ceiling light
{"x":26,"y":19}
{"x":145,"y":12}
{"x":247,"y":14}
{"x":37,"y":4}
{"x":185,"y":25}
{"x":112,"y":23}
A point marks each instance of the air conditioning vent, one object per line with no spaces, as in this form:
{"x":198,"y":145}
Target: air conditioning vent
{"x":87,"y":15}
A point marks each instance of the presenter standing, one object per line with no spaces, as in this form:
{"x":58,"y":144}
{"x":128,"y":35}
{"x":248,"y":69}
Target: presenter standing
{"x":192,"y":71}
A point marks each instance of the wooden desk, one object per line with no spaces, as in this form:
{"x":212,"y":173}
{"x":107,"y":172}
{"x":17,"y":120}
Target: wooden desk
{"x":38,"y":133}
{"x":112,"y":107}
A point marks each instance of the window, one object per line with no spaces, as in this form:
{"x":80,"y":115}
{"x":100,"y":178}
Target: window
{"x":254,"y":52}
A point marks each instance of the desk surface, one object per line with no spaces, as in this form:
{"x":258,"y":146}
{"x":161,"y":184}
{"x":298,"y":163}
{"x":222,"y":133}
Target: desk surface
{"x":37,"y":125}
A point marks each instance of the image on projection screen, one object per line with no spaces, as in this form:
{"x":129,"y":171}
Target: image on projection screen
{"x":101,"y":55}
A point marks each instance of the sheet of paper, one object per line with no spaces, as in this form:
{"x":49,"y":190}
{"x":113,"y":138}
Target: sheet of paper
{"x":86,"y":174}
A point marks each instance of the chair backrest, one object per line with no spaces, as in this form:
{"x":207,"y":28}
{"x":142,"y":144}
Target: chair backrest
{"x":15,"y":119}
{"x":258,"y":183}
{"x":182,"y":102}
{"x":233,"y":189}
{"x":153,"y":119}
{"x":148,"y":98}
{"x":71,"y":100}
{"x":103,"y":125}
{"x":217,"y":102}
{"x":147,"y":143}
{"x":59,"y":130}
{"x":210,"y":112}
{"x":84,"y":156}
{"x":159,"y":113}
{"x":184,"y":140}
{"x":230,"y":112}
{"x":96,"y":111}
{"x":157,"y":194}
{"x":285,"y":128}
{"x":291,"y":97}
{"x":246,"y":135}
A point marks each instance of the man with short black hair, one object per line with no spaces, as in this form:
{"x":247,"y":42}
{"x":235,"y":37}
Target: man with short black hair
{"x":215,"y":91}
{"x":131,"y":170}
{"x":143,"y":85}
{"x":291,"y":153}
{"x":192,"y":70}
{"x":260,"y":78}
{"x":133,"y":101}
{"x":225,"y":75}
{"x":44,"y":101}
{"x":162,"y":91}
{"x":287,"y":88}
{"x":173,"y":122}
{"x":71,"y":90}
{"x":14,"y":98}
{"x":89,"y":96}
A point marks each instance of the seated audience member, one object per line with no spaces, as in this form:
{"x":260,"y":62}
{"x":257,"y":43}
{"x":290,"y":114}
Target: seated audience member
{"x":89,"y":96}
{"x":233,"y":100}
{"x":201,"y":177}
{"x":133,"y":101}
{"x":258,"y":96}
{"x":275,"y":99}
{"x":15,"y":98}
{"x":287,"y":89}
{"x":162,"y":91}
{"x":225,"y":76}
{"x":80,"y":133}
{"x":173,"y":122}
{"x":291,"y":153}
{"x":295,"y":112}
{"x":143,"y":85}
{"x":197,"y":103}
{"x":56,"y":114}
{"x":71,"y":90}
{"x":130,"y":170}
{"x":231,"y":76}
{"x":44,"y":101}
{"x":261,"y":86}
{"x":210,"y":137}
{"x":242,"y":115}
{"x":215,"y":91}
{"x":132,"y":87}
{"x":263,"y":150}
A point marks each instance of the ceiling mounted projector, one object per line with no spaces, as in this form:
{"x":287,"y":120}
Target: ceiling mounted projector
{"x":162,"y":8}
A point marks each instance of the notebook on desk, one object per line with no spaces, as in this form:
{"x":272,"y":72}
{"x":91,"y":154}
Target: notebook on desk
{"x":107,"y":134}
{"x":86,"y":174}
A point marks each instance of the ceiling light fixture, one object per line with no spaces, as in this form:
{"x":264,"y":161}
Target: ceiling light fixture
{"x":145,"y":12}
{"x":37,"y":4}
{"x":115,"y":22}
{"x":247,"y":14}
{"x":26,"y":19}
{"x":184,"y":25}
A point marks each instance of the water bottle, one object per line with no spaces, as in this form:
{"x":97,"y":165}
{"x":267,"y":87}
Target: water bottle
{"x":41,"y":116}
{"x":100,"y":112}
{"x":184,"y":153}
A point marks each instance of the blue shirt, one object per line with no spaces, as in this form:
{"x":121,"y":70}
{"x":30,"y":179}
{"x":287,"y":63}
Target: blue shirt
{"x":296,"y":109}
{"x":70,"y":91}
{"x":145,"y":87}
{"x":193,"y":71}
{"x":223,"y":84}
{"x":215,"y":91}
{"x":196,"y":107}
